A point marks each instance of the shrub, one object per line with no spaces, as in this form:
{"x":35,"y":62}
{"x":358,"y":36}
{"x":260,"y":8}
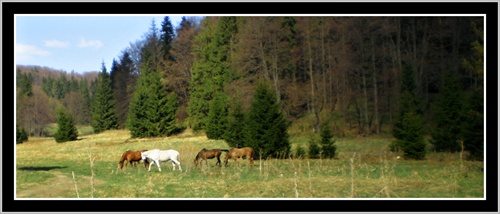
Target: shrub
{"x":21,"y":135}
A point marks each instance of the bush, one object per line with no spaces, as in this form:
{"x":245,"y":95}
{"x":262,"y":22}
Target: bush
{"x":21,"y":135}
{"x":300,"y":152}
{"x":314,"y":149}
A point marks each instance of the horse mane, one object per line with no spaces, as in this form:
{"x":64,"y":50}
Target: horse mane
{"x":122,"y":159}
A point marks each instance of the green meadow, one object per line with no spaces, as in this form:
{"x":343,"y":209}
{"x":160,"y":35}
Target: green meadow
{"x":363,"y":168}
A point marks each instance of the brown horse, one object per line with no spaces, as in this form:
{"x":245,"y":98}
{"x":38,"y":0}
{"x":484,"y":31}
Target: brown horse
{"x":235,"y":153}
{"x":205,"y":154}
{"x":132,"y":158}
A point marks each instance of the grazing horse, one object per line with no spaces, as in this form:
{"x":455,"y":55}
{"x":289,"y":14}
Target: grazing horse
{"x":132,"y":158}
{"x":205,"y":154}
{"x":235,"y":153}
{"x":158,"y":156}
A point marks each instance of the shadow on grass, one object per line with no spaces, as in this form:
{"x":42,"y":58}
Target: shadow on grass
{"x":41,"y":168}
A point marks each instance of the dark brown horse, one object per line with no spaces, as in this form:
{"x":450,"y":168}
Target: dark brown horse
{"x":235,"y":153}
{"x":205,"y":154}
{"x":132,"y":158}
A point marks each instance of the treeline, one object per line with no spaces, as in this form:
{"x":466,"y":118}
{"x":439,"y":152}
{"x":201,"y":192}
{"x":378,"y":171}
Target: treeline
{"x":344,"y":72}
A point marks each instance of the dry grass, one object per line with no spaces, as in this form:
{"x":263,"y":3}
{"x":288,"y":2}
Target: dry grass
{"x":364,"y":168}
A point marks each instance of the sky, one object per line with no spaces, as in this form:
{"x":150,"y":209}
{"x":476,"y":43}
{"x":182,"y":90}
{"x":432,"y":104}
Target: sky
{"x":79,"y":43}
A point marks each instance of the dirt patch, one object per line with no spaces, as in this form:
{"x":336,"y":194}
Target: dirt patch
{"x":59,"y":186}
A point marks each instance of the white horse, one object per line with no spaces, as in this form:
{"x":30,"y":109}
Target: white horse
{"x":158,"y":156}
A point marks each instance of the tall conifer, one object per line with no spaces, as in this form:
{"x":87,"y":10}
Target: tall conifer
{"x":266,"y":126}
{"x":408,"y":128}
{"x":216,"y":123}
{"x":103,"y":104}
{"x":446,"y":133}
{"x":235,"y":125}
{"x":152,"y":110}
{"x":211,"y":68}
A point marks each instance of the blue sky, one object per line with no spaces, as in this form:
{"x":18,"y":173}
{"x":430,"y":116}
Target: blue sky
{"x":79,"y":43}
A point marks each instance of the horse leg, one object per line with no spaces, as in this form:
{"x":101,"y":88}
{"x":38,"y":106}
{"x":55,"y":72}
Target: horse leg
{"x":151,"y":163}
{"x":158,"y":164}
{"x":251,"y":161}
{"x":225,"y":160}
{"x":236,"y":161}
{"x":178,"y":164}
{"x":218,"y":161}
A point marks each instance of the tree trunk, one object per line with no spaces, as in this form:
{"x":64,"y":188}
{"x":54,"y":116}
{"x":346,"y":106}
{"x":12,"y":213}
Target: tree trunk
{"x":375,"y":96}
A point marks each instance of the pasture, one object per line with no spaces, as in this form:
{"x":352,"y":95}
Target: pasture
{"x":364,"y":168}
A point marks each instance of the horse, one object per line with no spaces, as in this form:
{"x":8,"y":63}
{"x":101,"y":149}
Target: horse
{"x":205,"y":154}
{"x":158,"y":156}
{"x":132,"y":158}
{"x":235,"y":153}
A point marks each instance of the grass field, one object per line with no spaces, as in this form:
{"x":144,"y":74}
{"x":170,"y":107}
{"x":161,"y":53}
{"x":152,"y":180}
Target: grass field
{"x":364,"y":168}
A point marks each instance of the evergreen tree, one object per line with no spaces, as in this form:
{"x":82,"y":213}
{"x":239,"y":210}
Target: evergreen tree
{"x":171,"y":110}
{"x":472,"y":133}
{"x":152,"y":110}
{"x":21,"y":135}
{"x":217,"y":123}
{"x":473,"y":120}
{"x":166,"y":37}
{"x":66,"y":130}
{"x":103,"y":104}
{"x":266,"y":126}
{"x":211,"y":68}
{"x":84,"y":89}
{"x":408,"y":127}
{"x":235,"y":125}
{"x":446,"y":134}
{"x":24,"y":84}
{"x":328,"y":147}
{"x":314,"y":149}
{"x":123,"y":84}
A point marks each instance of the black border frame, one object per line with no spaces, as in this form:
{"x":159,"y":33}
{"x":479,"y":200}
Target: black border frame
{"x":9,"y":9}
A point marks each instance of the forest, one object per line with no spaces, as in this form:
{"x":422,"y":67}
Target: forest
{"x":357,"y":76}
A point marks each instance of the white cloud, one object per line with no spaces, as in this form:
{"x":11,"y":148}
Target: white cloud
{"x":55,"y":44}
{"x":92,"y":44}
{"x":26,"y":52}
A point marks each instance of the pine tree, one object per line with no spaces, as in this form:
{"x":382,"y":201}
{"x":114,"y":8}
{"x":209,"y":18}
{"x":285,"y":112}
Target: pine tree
{"x":472,"y":133}
{"x":235,"y":125}
{"x":408,"y":127}
{"x":103,"y":104}
{"x":24,"y":84}
{"x":266,"y":126}
{"x":66,"y":130}
{"x":216,"y":124}
{"x":166,"y":37}
{"x":328,"y":147}
{"x":86,"y":102}
{"x":473,"y":122}
{"x":119,"y":82}
{"x":446,"y":133}
{"x":211,"y":68}
{"x":152,"y":110}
